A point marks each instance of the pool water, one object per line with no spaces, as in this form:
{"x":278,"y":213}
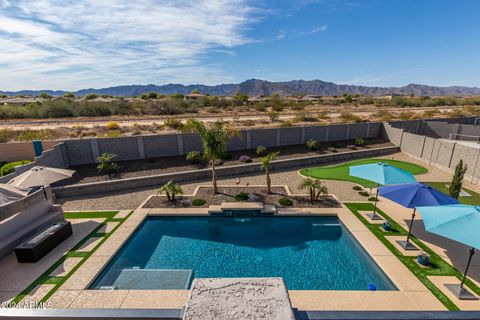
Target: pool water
{"x":310,"y":253}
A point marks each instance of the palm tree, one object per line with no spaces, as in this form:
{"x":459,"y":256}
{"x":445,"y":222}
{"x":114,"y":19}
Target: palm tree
{"x":171,"y":189}
{"x":266,"y":161}
{"x":314,"y":187}
{"x":214,"y":141}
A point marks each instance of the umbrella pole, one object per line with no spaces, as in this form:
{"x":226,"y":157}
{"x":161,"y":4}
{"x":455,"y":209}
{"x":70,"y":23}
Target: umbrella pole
{"x":375,"y":204}
{"x":472,"y":252}
{"x":411,"y":225}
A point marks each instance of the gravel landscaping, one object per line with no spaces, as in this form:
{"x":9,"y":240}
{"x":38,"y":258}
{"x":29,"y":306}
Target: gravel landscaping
{"x":255,"y":194}
{"x":148,"y":167}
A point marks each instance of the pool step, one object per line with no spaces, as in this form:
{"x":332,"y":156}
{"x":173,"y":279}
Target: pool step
{"x":239,"y":299}
{"x":153,"y":279}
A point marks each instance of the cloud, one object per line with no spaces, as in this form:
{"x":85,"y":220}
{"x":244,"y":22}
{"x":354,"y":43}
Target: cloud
{"x":314,"y":30}
{"x":66,"y":44}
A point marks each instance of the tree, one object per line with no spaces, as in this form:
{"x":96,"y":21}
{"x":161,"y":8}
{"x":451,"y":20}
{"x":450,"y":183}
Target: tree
{"x":69,"y":95}
{"x":196,"y":91}
{"x":214,"y":140}
{"x":240,"y":99}
{"x":265,"y":163}
{"x":152,"y":95}
{"x":171,"y":189}
{"x":91,"y":96}
{"x":45,"y":96}
{"x":457,"y":180}
{"x":314,"y":187}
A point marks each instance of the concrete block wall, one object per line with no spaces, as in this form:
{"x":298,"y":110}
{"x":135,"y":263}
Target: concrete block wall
{"x":86,"y":151}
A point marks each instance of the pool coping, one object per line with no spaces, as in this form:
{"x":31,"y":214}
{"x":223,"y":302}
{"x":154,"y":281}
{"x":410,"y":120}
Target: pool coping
{"x":411,"y":294}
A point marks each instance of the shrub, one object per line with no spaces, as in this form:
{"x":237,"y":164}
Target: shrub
{"x":286,"y":202}
{"x":6,"y":135}
{"x":112,"y":126}
{"x":10,"y":167}
{"x":105,"y":163}
{"x":273,"y":116}
{"x":173,"y":123}
{"x":241,"y":196}
{"x":194,"y":157}
{"x":359,"y":142}
{"x":245,"y":158}
{"x":312,"y":144}
{"x":358,"y":188}
{"x":261,"y":150}
{"x":197,"y":202}
{"x":372,"y":199}
{"x":286,"y":124}
{"x":364,"y":193}
{"x":91,"y":96}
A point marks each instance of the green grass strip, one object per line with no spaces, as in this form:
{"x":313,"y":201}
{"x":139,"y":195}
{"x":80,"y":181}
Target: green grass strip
{"x":473,"y":200}
{"x":45,"y":278}
{"x":439,"y":266}
{"x":90,"y":215}
{"x":341,"y":171}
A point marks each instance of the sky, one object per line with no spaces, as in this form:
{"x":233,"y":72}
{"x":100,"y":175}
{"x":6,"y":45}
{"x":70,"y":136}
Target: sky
{"x":75,"y":44}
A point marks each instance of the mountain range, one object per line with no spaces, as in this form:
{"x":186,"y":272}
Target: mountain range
{"x":256,"y":87}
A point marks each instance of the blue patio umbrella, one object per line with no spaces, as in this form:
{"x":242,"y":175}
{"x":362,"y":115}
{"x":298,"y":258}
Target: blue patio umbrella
{"x":457,"y":222}
{"x":383,"y":174}
{"x":412,"y":195}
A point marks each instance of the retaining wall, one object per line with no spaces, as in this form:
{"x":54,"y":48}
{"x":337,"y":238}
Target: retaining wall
{"x":202,"y":174}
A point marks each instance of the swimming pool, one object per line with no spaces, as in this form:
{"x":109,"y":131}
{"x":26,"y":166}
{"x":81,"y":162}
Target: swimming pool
{"x":310,"y":253}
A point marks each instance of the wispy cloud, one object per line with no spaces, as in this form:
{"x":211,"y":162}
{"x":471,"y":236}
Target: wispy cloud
{"x":314,"y":30}
{"x":65,"y":44}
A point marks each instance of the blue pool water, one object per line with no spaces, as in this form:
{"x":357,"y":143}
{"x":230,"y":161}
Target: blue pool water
{"x":310,"y":253}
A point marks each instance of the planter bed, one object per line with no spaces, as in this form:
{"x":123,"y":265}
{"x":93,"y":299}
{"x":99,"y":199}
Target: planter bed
{"x":258,"y":194}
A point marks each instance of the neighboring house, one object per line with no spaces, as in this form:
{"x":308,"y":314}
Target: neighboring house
{"x":20,"y":101}
{"x":194,"y":96}
{"x":310,"y":97}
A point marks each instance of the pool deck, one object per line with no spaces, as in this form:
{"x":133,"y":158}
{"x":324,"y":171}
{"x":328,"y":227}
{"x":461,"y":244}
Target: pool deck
{"x":412,"y":294}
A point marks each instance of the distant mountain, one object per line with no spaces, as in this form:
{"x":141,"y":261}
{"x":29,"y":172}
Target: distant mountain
{"x":256,"y":87}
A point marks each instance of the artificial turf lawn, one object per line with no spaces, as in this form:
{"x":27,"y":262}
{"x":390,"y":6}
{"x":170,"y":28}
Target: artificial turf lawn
{"x":341,"y":171}
{"x":439,"y":266}
{"x":474,"y":198}
{"x":45,"y":278}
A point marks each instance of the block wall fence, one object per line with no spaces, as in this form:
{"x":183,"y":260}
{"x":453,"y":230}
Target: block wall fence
{"x":62,"y":154}
{"x":437,"y":151}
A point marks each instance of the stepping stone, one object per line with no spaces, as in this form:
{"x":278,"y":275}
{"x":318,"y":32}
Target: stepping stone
{"x":67,"y":266}
{"x":38,"y":293}
{"x":89,"y":244}
{"x":239,"y":298}
{"x":122,"y":214}
{"x":108,"y":227}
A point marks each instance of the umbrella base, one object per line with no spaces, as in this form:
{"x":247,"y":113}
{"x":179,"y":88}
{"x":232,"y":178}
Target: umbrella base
{"x":407,"y":245}
{"x":374,"y":216}
{"x":460,"y":293}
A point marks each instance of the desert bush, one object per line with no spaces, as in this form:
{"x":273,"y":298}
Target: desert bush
{"x":364,"y":193}
{"x":359,"y":142}
{"x":112,"y":125}
{"x":241,"y":196}
{"x":94,"y":109}
{"x":194,"y":157}
{"x":372,"y":199}
{"x":197,"y":202}
{"x":260,"y":150}
{"x":91,"y":96}
{"x":358,"y":188}
{"x":312,"y":144}
{"x":347,"y":116}
{"x":286,"y":124}
{"x":286,"y":202}
{"x":7,"y":135}
{"x":273,"y":116}
{"x":173,"y":123}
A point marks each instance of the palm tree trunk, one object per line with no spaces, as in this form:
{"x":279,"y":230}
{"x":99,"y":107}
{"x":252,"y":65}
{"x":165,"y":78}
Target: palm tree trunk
{"x":269,"y":182}
{"x":214,"y":178}
{"x":168,"y":196}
